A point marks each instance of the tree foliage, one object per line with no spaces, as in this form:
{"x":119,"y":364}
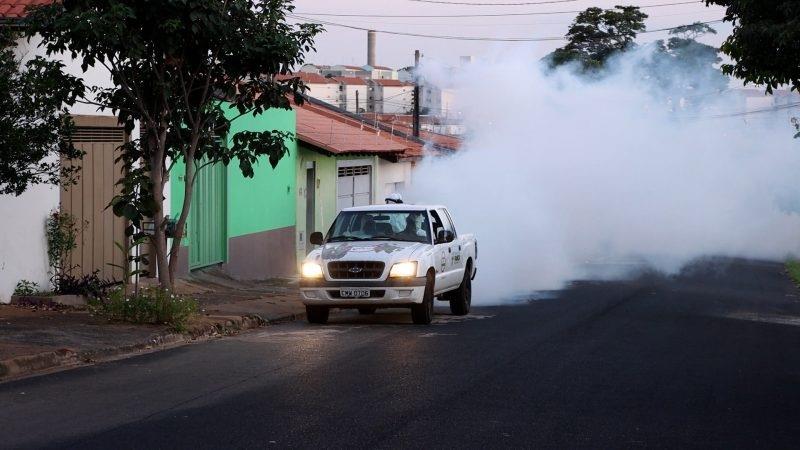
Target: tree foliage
{"x":596,"y":35}
{"x":34,"y":124}
{"x":765,"y":43}
{"x":175,"y":64}
{"x":683,"y":66}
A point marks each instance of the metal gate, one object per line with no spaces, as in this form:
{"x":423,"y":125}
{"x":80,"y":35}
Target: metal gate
{"x":353,"y":187}
{"x":207,"y":217}
{"x":99,"y":228}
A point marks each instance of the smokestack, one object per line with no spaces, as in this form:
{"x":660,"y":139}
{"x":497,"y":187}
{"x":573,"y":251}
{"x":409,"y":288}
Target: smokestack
{"x":371,"y":48}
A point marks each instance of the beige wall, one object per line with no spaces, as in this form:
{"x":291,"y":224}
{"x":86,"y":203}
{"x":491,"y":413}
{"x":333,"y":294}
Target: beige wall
{"x":391,"y":178}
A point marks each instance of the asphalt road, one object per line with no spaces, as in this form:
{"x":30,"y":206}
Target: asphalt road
{"x":707,"y":359}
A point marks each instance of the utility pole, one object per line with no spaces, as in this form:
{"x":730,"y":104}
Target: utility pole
{"x":358,"y":110}
{"x":416,"y":94}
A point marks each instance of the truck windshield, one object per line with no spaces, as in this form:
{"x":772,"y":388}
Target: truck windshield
{"x":411,"y":226}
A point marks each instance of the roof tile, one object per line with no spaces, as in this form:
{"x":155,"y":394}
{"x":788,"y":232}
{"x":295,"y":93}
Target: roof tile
{"x":16,"y":9}
{"x":392,"y":83}
{"x":307,"y":77}
{"x":350,"y":80}
{"x":339,"y":134}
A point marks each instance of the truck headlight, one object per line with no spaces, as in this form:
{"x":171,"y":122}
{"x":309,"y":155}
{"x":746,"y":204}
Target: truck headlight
{"x":404,"y":269}
{"x":311,"y":270}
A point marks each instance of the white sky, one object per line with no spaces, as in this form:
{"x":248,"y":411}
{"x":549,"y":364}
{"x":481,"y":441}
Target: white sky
{"x":339,"y":45}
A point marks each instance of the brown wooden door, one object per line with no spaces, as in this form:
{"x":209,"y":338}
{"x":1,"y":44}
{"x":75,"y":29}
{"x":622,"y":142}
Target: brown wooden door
{"x":99,"y":137}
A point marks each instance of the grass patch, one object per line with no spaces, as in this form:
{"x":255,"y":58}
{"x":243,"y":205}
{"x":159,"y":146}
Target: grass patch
{"x":150,"y":305}
{"x":793,"y":269}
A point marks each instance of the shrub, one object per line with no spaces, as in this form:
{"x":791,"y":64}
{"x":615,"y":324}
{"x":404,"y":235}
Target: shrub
{"x":793,"y":268}
{"x":91,"y":285}
{"x":150,"y":305}
{"x":62,"y":231}
{"x":25,"y":287}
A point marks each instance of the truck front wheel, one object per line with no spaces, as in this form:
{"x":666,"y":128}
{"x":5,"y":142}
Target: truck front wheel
{"x":461,"y":298}
{"x":422,"y":314}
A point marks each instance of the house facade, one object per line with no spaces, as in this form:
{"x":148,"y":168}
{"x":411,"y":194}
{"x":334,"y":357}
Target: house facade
{"x":324,"y":88}
{"x":352,"y":94}
{"x":245,"y":226}
{"x":344,"y":162}
{"x":257,"y":228}
{"x":23,"y":242}
{"x":390,"y":97}
{"x":344,"y":71}
{"x":381,"y":72}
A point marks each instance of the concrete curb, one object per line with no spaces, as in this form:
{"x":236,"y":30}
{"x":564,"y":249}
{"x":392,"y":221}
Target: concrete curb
{"x":210,"y":327}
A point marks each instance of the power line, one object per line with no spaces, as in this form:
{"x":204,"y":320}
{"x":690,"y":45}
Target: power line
{"x":432,"y":36}
{"x":486,"y":24}
{"x":754,"y":111}
{"x":468,"y":38}
{"x":442,"y":2}
{"x":536,"y":13}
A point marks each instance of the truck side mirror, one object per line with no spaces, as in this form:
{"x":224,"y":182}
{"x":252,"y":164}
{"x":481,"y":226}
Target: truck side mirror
{"x":444,"y":236}
{"x":316,"y":238}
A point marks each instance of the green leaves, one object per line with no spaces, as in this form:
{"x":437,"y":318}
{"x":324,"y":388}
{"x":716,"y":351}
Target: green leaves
{"x":596,"y":35}
{"x":173,"y":64}
{"x":35,"y":128}
{"x":249,"y":146}
{"x":682,"y":67}
{"x":765,"y":42}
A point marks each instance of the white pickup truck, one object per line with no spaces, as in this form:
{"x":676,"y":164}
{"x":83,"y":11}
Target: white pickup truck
{"x":387,"y":256}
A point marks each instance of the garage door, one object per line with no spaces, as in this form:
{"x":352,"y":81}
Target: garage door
{"x":206,"y":228}
{"x":354,"y":187}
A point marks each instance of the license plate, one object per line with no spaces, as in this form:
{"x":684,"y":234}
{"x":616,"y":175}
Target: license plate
{"x":354,"y":293}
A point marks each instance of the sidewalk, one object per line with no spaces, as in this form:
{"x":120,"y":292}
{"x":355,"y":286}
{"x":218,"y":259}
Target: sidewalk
{"x":272,"y":300}
{"x":35,"y":340}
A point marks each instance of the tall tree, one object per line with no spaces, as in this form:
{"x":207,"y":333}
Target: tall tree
{"x":765,"y":43}
{"x":34,"y":124}
{"x":598,"y":34}
{"x":683,"y":66}
{"x":174,"y":65}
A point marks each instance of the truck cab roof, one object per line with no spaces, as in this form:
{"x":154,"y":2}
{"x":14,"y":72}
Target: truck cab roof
{"x":393,"y":207}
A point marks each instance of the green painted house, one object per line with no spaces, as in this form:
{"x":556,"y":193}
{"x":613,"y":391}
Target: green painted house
{"x":246,"y":226}
{"x":257,"y":228}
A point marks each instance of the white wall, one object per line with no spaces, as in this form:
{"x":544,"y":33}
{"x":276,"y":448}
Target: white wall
{"x":349,"y":98}
{"x":395,"y":99}
{"x":328,"y":92}
{"x":23,"y":247}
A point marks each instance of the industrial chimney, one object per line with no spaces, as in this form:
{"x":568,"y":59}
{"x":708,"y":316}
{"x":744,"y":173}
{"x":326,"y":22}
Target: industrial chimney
{"x":371,"y":48}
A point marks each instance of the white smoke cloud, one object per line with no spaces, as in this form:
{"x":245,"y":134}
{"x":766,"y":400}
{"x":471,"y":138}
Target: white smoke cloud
{"x":559,"y":175}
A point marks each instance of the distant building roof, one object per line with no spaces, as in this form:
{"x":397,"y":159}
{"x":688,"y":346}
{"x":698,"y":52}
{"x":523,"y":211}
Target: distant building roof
{"x":334,"y":132}
{"x":382,"y":68}
{"x":15,"y":9}
{"x":403,"y":123}
{"x":350,"y":80}
{"x":392,"y":83}
{"x":307,"y":77}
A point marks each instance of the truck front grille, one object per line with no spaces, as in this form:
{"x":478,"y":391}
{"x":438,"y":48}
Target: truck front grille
{"x":355,"y":270}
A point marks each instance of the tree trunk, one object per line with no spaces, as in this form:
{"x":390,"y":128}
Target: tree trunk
{"x":180,"y":223}
{"x":159,"y":235}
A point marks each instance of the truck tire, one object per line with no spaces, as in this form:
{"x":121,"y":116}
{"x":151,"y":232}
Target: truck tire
{"x":461,"y":298}
{"x":317,"y":314}
{"x":366,"y":310}
{"x":422,"y":314}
